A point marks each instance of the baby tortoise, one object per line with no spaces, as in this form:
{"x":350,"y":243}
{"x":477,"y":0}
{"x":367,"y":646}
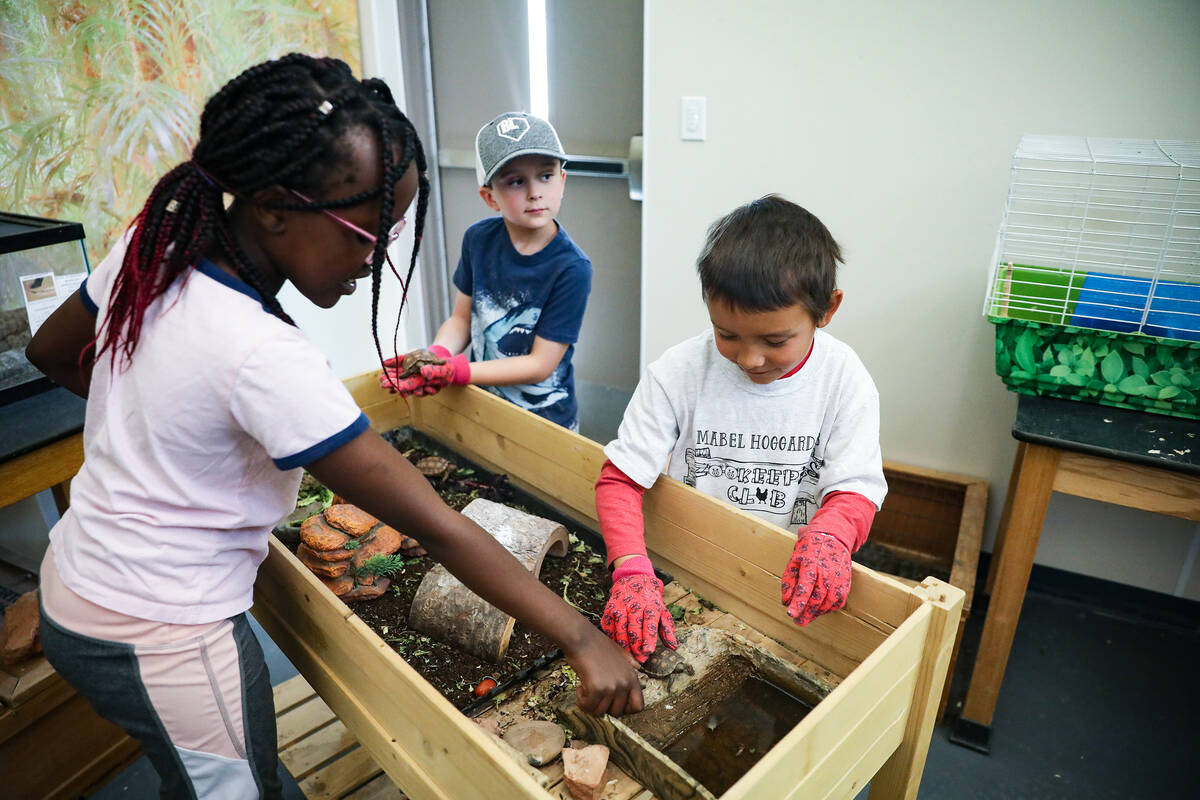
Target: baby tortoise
{"x":435,"y":467}
{"x":414,"y":360}
{"x":664,"y":661}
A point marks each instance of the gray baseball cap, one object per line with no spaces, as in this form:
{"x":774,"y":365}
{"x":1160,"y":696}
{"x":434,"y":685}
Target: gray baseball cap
{"x":512,"y":135}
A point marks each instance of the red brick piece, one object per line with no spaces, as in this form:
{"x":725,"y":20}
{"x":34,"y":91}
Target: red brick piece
{"x":584,"y":771}
{"x":19,"y":637}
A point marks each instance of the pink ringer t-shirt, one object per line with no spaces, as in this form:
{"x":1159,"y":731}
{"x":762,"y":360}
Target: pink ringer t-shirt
{"x":193,"y":450}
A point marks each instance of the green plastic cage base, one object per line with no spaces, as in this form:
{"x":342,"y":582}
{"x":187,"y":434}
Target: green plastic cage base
{"x":1124,"y":370}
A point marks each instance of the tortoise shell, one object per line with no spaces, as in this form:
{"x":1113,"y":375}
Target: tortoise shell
{"x":413,"y":361}
{"x":434,"y":466}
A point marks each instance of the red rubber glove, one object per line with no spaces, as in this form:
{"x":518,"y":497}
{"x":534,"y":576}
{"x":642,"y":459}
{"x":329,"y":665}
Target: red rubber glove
{"x":636,"y":615}
{"x":456,"y":371}
{"x":414,"y":384}
{"x":817,"y":579}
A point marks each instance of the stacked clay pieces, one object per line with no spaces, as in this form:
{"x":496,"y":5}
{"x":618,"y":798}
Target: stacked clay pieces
{"x":323,"y":549}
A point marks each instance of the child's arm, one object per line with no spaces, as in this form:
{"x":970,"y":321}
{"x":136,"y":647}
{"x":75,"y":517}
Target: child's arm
{"x":817,"y":577}
{"x":368,"y":472}
{"x":541,"y":362}
{"x":55,"y":349}
{"x":455,"y":333}
{"x":635,"y":615}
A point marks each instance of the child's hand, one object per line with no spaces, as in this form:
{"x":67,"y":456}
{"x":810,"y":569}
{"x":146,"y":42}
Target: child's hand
{"x":817,"y":579}
{"x":455,"y":371}
{"x":608,"y":682}
{"x":636,"y":615}
{"x":390,"y":379}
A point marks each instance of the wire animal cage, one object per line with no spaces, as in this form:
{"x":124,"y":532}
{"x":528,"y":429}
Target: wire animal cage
{"x":1094,"y":284}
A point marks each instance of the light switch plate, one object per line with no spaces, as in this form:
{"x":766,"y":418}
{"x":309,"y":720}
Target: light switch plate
{"x":693,"y":119}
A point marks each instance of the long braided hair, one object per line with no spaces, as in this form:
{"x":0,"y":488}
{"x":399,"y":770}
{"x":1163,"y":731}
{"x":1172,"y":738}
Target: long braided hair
{"x":283,"y":123}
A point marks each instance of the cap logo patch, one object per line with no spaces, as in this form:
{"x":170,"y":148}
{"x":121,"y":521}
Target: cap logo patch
{"x":513,"y":128}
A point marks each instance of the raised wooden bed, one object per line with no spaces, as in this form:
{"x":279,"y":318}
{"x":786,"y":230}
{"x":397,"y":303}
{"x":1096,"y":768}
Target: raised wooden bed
{"x":889,"y":647}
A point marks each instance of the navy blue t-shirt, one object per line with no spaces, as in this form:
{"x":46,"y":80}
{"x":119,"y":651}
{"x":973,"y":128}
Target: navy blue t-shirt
{"x":516,"y":297}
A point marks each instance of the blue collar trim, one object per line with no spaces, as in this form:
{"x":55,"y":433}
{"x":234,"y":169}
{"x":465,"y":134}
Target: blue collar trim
{"x":206,"y":267}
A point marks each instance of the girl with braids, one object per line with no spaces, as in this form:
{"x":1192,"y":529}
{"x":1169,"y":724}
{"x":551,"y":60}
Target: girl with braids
{"x":204,"y":402}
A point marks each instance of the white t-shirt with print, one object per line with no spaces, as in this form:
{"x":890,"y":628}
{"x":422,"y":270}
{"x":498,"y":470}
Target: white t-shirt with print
{"x":773,"y":449}
{"x":193,"y":451}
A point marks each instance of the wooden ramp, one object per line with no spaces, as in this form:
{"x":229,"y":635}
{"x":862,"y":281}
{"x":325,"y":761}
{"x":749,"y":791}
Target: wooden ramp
{"x":329,"y":764}
{"x":324,"y":758}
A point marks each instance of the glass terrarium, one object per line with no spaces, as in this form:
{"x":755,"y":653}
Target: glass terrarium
{"x":42,"y":263}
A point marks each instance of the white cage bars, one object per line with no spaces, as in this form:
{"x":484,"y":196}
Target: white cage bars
{"x":1101,"y":234}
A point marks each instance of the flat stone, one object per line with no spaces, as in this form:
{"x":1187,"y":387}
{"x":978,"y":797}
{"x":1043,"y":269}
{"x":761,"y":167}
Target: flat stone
{"x":329,"y":569}
{"x":320,"y":535}
{"x":351,"y":519}
{"x":382,"y":541}
{"x":488,"y":724}
{"x":539,"y":740}
{"x":584,"y":771}
{"x":364,"y":591}
{"x":339,"y":586}
{"x":19,"y":636}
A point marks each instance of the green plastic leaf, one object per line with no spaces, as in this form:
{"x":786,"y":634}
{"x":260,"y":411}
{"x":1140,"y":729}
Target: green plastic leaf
{"x":1135,"y":347}
{"x":1075,"y":380}
{"x":1132,"y":384}
{"x":1181,"y":380}
{"x":1086,"y":363}
{"x":1112,"y":367}
{"x":1024,"y":352}
{"x":1140,"y":367}
{"x":1060,"y":370}
{"x":1167,"y":392}
{"x":1064,"y":357}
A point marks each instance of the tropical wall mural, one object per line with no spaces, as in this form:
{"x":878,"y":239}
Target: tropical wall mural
{"x":101,"y":97}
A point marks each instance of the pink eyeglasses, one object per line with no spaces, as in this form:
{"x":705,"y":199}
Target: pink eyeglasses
{"x":393,"y":234}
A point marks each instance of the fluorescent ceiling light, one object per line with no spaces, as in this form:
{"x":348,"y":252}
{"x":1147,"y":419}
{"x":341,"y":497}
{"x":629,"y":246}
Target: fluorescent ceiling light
{"x":539,"y":82}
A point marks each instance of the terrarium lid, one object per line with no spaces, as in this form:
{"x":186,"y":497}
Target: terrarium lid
{"x":21,"y":232}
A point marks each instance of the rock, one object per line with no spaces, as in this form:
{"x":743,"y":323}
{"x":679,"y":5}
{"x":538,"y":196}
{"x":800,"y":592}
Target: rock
{"x":338,"y":554}
{"x":540,"y":741}
{"x":382,"y":541}
{"x":367,"y":591}
{"x":351,"y":519}
{"x":329,"y":569}
{"x":320,"y":535}
{"x":339,"y":586}
{"x":19,"y":637}
{"x":488,"y":724}
{"x":584,"y":771}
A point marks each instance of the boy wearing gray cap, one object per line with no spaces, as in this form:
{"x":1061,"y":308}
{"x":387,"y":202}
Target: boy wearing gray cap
{"x":522,"y":283}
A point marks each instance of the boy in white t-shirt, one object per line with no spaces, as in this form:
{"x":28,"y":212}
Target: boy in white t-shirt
{"x":765,"y":411}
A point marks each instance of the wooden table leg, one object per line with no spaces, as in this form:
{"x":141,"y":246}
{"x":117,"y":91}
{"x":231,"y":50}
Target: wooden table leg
{"x":1035,"y":481}
{"x":1005,"y":515}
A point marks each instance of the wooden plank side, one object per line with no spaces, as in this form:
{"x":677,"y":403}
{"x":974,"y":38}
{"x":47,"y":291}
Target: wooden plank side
{"x":839,"y":641}
{"x":412,"y":731}
{"x":1130,"y":485}
{"x":291,"y":693}
{"x":900,"y":777}
{"x":970,"y":539}
{"x":842,"y":723}
{"x":536,"y":466}
{"x":572,"y":452}
{"x":47,"y":466}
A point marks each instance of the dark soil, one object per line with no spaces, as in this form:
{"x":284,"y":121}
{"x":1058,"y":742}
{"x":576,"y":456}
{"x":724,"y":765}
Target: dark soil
{"x":581,"y":578}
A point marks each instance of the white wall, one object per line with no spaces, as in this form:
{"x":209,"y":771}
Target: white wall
{"x":895,"y":123}
{"x":343,"y":332}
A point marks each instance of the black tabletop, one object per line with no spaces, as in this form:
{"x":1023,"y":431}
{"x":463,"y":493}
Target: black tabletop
{"x":1154,"y":440}
{"x":39,"y":420}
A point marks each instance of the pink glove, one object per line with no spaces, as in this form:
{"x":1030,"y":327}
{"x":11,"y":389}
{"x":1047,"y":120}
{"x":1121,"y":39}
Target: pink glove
{"x":456,"y":371}
{"x":817,"y":579}
{"x":635,"y":614}
{"x":414,"y":384}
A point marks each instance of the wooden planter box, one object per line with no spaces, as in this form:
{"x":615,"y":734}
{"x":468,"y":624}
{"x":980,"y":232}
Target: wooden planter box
{"x":890,"y":646}
{"x":931,"y":523}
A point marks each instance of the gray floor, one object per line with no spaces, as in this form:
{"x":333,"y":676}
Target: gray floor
{"x":1096,"y":704}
